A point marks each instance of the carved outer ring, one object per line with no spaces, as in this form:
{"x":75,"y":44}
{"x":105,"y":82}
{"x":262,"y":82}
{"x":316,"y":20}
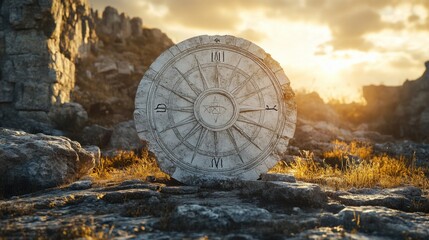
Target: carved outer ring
{"x":145,"y":129}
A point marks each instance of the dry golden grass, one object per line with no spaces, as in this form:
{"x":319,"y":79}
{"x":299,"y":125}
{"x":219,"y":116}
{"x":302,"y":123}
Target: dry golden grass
{"x":129,"y":165}
{"x":342,"y":149}
{"x":357,"y":167}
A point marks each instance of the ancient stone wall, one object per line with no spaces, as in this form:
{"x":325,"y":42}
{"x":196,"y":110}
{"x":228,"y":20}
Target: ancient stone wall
{"x":39,"y":43}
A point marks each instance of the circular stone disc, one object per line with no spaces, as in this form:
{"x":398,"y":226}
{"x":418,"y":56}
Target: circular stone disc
{"x":215,"y":107}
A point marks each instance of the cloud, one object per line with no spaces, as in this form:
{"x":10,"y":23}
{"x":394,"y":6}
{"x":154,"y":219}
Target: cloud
{"x":201,"y":14}
{"x":252,"y":35}
{"x":413,"y":18}
{"x":349,"y":20}
{"x":349,"y":27}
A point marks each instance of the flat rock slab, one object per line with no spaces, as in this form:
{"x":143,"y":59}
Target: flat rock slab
{"x":294,"y":194}
{"x":402,"y":198}
{"x":198,"y":217}
{"x":386,"y":222}
{"x":282,"y":177}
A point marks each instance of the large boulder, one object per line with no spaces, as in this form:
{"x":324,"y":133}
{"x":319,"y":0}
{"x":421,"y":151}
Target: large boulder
{"x":31,"y":162}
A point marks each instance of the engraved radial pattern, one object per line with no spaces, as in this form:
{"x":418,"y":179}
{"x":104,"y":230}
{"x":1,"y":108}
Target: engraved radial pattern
{"x":215,"y":107}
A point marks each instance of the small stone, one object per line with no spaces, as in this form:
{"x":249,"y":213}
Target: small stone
{"x":106,"y":66}
{"x":81,"y":185}
{"x":296,"y":209}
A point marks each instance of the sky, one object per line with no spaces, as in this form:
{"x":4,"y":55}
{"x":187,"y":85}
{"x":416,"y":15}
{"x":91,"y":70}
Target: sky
{"x":333,"y":47}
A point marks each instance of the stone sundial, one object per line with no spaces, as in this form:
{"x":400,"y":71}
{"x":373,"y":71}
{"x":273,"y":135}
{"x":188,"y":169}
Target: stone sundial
{"x":215,"y":107}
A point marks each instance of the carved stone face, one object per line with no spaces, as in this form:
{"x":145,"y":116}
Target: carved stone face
{"x":214,"y":107}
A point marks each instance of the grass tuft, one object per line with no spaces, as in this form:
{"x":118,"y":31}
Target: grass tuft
{"x":354,"y":165}
{"x":129,"y":165}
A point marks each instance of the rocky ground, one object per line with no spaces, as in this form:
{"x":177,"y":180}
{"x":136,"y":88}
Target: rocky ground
{"x":276,"y":207}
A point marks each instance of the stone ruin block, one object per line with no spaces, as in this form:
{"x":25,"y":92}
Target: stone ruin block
{"x":6,"y":91}
{"x":32,"y":96}
{"x":39,"y":43}
{"x":29,"y":41}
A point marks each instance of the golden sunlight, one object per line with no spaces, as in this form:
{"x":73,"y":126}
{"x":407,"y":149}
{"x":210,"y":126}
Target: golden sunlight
{"x":331,"y":47}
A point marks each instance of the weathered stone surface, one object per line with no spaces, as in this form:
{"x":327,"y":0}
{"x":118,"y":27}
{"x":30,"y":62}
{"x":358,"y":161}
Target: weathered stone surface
{"x":124,"y":136}
{"x":278,"y":177}
{"x":96,"y":154}
{"x":332,"y":233}
{"x":386,"y":222}
{"x":140,"y":210}
{"x":180,"y":189}
{"x":69,"y":116}
{"x":39,"y":42}
{"x":196,"y":217}
{"x":32,"y":96}
{"x":22,"y":122}
{"x":6,"y":91}
{"x":295,"y":194}
{"x":33,"y":162}
{"x":95,"y":135}
{"x":129,"y":194}
{"x":402,"y":198}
